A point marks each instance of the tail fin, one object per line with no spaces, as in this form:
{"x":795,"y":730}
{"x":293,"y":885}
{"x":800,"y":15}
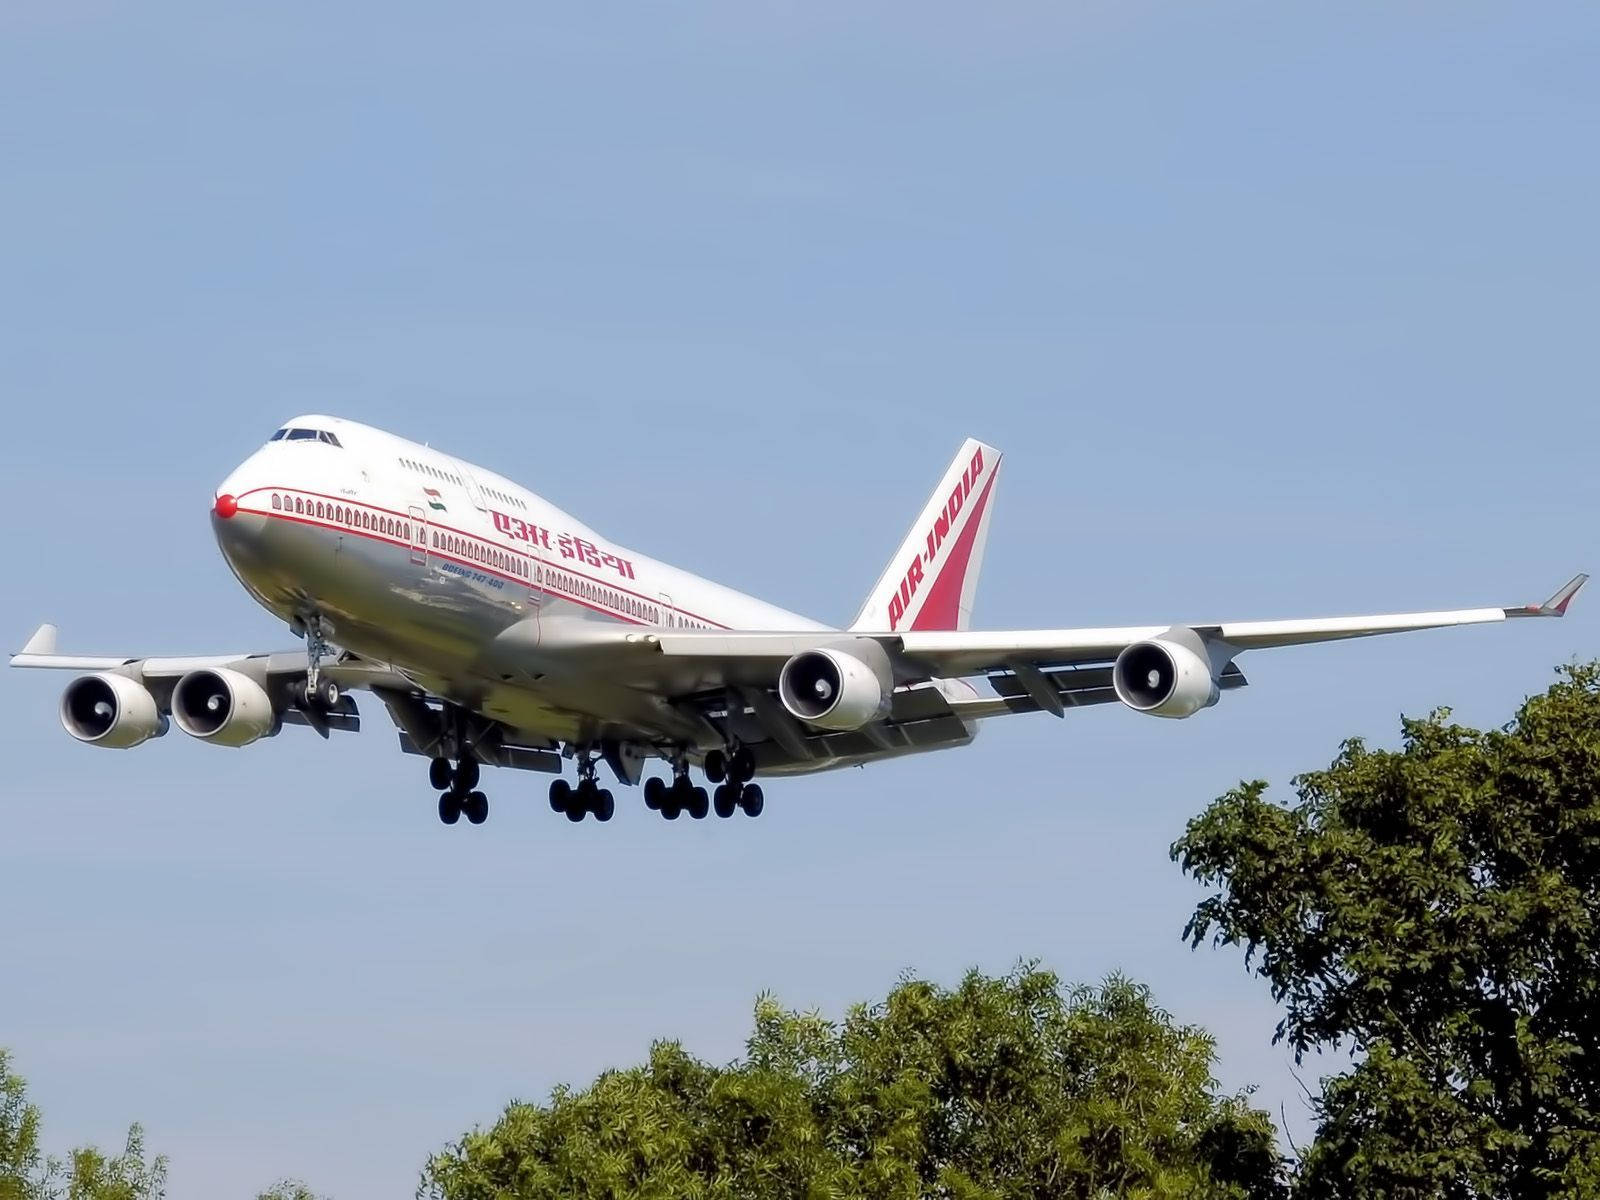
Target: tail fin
{"x":933,"y":576}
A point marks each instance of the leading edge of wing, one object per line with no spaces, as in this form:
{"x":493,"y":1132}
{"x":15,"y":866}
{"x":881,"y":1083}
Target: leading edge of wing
{"x":1069,"y":645}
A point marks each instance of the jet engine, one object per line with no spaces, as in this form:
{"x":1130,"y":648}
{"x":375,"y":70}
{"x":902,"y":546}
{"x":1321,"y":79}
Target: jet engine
{"x":833,"y":689}
{"x":1164,"y":678}
{"x":223,"y":707}
{"x":106,"y":709}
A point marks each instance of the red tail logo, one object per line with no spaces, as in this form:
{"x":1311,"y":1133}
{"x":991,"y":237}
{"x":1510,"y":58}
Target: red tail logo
{"x":943,"y":599}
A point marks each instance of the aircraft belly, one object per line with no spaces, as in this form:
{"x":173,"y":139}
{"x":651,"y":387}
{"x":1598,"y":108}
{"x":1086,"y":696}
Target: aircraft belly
{"x":488,"y":645}
{"x":461,"y":637}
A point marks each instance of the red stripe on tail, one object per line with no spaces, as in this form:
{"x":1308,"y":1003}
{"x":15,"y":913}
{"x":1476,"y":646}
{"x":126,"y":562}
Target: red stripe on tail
{"x":941,"y":609}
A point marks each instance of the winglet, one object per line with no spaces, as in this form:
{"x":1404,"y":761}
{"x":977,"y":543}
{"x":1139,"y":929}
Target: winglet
{"x":1556,"y":606}
{"x":43,"y":641}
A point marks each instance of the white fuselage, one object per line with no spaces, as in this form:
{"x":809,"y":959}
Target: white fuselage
{"x":450,"y":573}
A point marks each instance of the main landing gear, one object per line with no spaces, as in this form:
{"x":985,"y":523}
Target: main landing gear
{"x":457,"y":786}
{"x":730,"y":772}
{"x":585,"y":799}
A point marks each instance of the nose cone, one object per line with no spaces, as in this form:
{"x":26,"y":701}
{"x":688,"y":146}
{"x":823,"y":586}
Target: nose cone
{"x":238,"y":511}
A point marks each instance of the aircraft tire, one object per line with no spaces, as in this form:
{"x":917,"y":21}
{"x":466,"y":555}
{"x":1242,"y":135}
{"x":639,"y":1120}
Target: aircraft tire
{"x":742,"y":767}
{"x":476,"y":807}
{"x":467,"y":774}
{"x":449,"y":808}
{"x":654,"y":791}
{"x":699,"y":804}
{"x":603,"y":805}
{"x":560,"y":795}
{"x":716,"y":766}
{"x":439,"y":774}
{"x":752,"y":801}
{"x":724,"y":800}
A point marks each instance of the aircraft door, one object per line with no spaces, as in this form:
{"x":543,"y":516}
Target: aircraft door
{"x":474,"y":491}
{"x":419,"y":537}
{"x":667,"y":620}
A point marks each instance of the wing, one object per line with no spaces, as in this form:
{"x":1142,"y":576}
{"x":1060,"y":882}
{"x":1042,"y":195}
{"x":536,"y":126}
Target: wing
{"x":736,"y":674}
{"x":277,"y":672}
{"x":969,"y":653}
{"x":425,"y":726}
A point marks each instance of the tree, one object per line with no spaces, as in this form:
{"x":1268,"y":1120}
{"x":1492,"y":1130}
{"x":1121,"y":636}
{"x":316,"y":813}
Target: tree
{"x":1001,"y":1088}
{"x":1436,"y":911}
{"x":289,"y":1189}
{"x":25,"y":1174}
{"x":20,"y":1161}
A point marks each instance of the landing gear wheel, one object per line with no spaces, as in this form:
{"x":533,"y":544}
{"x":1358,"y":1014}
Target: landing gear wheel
{"x":654,"y":792}
{"x":699,"y":804}
{"x":449,"y":808}
{"x":467,"y":774}
{"x":676,"y":798}
{"x":716,"y":766}
{"x":752,"y":801}
{"x":560,"y":795}
{"x":439,"y":774}
{"x":724,"y":800}
{"x":742,"y":766}
{"x":576,"y":809}
{"x":602,"y":805}
{"x":476,"y":807}
{"x":324,"y":694}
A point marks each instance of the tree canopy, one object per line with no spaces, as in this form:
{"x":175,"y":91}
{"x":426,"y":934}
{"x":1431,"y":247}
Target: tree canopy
{"x":87,"y":1174}
{"x":1001,"y":1088}
{"x":1435,"y":910}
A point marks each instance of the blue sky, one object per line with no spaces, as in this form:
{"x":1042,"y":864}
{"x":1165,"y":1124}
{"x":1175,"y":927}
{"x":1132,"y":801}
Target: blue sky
{"x":1277,"y":310}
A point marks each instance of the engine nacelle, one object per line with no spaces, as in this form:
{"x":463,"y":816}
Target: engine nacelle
{"x":1164,"y":678}
{"x":832,"y":689}
{"x":223,"y":707}
{"x":106,"y":709}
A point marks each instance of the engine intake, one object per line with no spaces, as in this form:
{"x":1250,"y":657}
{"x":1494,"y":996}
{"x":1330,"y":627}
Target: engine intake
{"x":1164,"y":678}
{"x":223,"y":707}
{"x":833,"y":690}
{"x":106,"y":709}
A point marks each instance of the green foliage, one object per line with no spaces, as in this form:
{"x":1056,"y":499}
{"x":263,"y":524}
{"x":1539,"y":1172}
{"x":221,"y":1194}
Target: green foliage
{"x":88,"y":1175}
{"x":20,"y":1162}
{"x":1001,"y":1089}
{"x":1436,"y":910}
{"x":289,"y":1189}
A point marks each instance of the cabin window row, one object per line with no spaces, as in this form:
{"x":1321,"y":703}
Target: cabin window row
{"x":422,"y":468}
{"x":500,"y":560}
{"x":342,"y":514}
{"x":586,"y":589}
{"x":504,"y":498}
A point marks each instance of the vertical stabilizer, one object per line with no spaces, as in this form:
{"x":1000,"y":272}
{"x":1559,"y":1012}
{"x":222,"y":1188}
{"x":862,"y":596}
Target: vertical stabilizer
{"x":932,"y":578}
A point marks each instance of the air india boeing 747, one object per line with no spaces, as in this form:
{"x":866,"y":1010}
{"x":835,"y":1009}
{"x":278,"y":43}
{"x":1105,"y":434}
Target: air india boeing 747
{"x":497,"y":630}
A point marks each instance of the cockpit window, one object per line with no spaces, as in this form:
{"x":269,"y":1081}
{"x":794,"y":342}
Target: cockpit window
{"x":306,"y":435}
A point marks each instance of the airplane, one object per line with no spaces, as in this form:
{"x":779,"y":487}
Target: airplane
{"x":498,"y":630}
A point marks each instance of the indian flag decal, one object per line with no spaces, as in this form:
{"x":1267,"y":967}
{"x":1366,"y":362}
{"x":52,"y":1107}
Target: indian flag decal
{"x":434,"y":499}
